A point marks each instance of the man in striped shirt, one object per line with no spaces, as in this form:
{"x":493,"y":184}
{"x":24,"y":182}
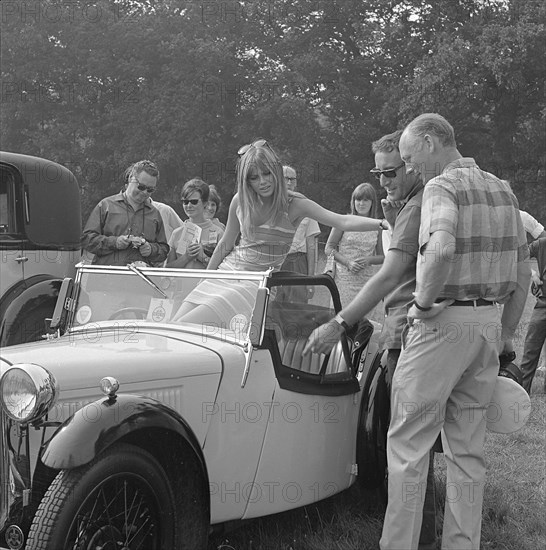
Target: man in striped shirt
{"x":472,"y":258}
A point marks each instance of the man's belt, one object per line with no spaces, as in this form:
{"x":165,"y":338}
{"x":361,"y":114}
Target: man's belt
{"x":475,"y":303}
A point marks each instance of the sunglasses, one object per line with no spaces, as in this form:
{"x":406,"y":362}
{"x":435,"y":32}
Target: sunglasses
{"x":245,"y":148}
{"x":142,"y":187}
{"x":390,"y":173}
{"x":185,"y":202}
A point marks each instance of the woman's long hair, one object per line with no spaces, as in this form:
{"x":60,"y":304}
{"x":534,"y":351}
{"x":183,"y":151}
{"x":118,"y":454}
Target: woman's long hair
{"x":264,"y":159}
{"x":365,"y":191}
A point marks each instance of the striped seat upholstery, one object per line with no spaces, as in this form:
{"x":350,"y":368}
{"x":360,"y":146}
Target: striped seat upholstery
{"x":292,"y":326}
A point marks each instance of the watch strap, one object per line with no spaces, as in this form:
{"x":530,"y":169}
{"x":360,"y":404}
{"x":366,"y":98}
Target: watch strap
{"x":421,"y":308}
{"x":341,"y":321}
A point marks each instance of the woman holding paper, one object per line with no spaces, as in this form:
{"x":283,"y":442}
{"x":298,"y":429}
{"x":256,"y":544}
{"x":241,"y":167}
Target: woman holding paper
{"x":192,"y":244}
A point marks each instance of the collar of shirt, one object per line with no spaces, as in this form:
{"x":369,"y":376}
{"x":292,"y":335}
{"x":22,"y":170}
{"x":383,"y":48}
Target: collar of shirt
{"x":464,"y":162}
{"x":411,"y":194}
{"x":120,"y":197}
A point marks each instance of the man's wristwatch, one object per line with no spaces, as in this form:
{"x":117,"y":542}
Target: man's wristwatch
{"x":341,"y":322}
{"x":421,"y":308}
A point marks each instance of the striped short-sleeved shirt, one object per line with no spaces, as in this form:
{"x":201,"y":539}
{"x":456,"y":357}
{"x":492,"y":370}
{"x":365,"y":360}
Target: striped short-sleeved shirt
{"x":481,"y":212}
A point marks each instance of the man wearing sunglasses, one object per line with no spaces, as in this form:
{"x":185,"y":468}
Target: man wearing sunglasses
{"x":456,"y":328}
{"x":395,"y":281}
{"x":127,"y":227}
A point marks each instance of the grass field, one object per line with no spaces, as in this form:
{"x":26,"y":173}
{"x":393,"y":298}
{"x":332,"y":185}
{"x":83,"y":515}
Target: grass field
{"x":514,"y":514}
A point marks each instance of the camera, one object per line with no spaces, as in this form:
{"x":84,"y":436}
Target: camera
{"x":136,"y":241}
{"x":508,"y":369}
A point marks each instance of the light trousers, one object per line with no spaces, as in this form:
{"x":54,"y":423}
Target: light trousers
{"x":445,"y":378}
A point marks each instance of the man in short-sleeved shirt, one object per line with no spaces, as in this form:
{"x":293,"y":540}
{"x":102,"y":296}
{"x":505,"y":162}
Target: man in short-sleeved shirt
{"x":395,"y":281}
{"x":533,"y":228}
{"x":472,"y":256}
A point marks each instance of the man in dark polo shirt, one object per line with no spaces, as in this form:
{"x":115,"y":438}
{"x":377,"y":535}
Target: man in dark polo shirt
{"x":395,"y":281}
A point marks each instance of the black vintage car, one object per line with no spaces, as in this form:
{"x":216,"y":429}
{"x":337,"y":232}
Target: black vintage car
{"x":40,"y":228}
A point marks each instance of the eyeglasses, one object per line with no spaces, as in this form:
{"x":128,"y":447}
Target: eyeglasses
{"x":390,"y":173}
{"x":185,"y":202}
{"x":245,"y":148}
{"x":290,"y":179}
{"x":142,"y":187}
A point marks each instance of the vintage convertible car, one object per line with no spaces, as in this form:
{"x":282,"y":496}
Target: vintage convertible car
{"x":136,"y":426}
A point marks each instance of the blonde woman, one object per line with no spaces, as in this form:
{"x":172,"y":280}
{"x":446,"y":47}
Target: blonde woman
{"x":265,"y":215}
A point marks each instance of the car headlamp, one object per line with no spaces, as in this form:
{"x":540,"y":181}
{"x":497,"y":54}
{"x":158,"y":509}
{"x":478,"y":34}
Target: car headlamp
{"x":27,"y":392}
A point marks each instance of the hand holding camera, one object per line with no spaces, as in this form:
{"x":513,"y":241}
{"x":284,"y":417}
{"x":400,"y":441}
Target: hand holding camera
{"x":136,"y":241}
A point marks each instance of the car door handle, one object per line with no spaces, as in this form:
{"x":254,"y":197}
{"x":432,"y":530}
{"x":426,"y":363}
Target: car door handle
{"x":21,"y":259}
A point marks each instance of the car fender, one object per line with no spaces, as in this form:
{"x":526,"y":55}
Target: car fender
{"x":100,"y":424}
{"x":24,"y":297}
{"x":373,"y":424}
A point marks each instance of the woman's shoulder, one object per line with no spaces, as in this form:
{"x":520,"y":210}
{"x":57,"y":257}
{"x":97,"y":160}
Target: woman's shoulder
{"x":295,"y":204}
{"x":177,"y":232}
{"x":219,"y":224}
{"x":295,"y":195}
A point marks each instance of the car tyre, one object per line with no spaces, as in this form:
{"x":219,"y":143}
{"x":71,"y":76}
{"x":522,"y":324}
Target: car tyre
{"x":122,"y":498}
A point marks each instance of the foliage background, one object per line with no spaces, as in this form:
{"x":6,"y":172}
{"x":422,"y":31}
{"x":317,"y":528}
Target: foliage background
{"x":97,"y":85}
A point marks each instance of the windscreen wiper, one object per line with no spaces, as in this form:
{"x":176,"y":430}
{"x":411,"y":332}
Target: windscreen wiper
{"x":136,"y":270}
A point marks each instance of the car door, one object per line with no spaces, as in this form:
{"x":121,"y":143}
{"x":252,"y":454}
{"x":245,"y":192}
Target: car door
{"x":11,"y":242}
{"x":309,"y":449}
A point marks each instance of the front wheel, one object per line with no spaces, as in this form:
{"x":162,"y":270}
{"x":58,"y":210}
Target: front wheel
{"x":121,"y":499}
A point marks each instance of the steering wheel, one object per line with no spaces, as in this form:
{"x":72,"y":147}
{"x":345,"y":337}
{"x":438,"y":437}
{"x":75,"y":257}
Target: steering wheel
{"x":139,"y":312}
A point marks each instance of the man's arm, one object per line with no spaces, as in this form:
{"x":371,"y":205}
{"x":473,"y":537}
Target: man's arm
{"x":93,"y":239}
{"x":513,"y":308}
{"x":391,"y":274}
{"x":433,"y":267}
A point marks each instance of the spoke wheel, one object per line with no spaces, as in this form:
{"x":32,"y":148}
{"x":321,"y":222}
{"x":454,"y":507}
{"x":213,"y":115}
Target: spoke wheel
{"x":120,"y":501}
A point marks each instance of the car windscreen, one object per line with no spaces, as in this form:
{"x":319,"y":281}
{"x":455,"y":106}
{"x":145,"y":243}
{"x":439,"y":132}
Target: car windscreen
{"x":212,"y":304}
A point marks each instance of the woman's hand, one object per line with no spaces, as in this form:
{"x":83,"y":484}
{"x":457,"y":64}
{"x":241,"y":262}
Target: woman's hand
{"x":362,"y":262}
{"x":354,"y":266}
{"x":194,"y":249}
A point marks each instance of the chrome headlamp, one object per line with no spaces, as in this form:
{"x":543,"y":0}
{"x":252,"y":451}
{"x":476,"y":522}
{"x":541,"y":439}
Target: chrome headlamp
{"x":27,"y":392}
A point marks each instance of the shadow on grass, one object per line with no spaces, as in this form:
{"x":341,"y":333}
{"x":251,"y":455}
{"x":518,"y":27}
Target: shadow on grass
{"x":350,"y":520}
{"x":513,"y":508}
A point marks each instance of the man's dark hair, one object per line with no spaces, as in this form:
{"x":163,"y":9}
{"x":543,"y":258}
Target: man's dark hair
{"x":141,"y":166}
{"x":387,"y":143}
